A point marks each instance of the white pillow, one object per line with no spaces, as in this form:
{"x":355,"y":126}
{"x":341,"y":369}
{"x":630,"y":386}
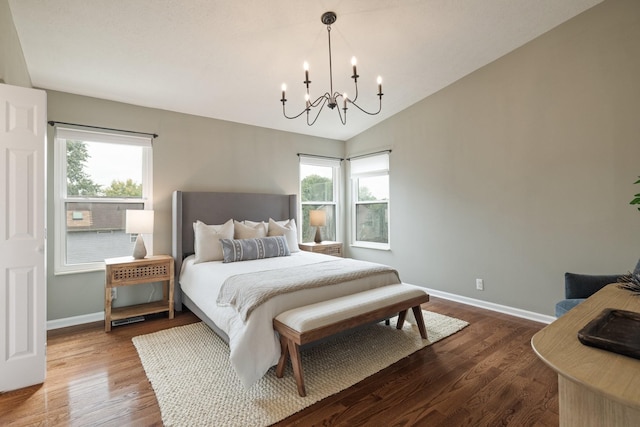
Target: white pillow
{"x":254,"y":230}
{"x":287,"y":229}
{"x":207,"y":240}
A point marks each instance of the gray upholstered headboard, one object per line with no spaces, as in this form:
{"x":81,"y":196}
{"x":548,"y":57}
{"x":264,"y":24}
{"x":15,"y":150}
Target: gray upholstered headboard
{"x":217,"y":208}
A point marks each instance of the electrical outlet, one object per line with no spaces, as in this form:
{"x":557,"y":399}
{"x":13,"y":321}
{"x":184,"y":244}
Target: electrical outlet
{"x":480,"y":284}
{"x":114,"y":293}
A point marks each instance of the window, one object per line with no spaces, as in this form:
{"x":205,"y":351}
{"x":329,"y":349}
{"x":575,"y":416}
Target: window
{"x":319,"y":178}
{"x":370,"y":201}
{"x":98,"y":176}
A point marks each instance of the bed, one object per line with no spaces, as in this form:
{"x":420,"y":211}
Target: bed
{"x":254,"y":345}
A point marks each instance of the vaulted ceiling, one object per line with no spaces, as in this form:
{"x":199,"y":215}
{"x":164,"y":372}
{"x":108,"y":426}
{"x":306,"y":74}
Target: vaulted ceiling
{"x":227,"y":59}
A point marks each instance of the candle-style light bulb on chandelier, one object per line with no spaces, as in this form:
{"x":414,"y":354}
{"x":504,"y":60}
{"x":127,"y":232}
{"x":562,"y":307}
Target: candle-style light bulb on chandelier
{"x":330,"y":98}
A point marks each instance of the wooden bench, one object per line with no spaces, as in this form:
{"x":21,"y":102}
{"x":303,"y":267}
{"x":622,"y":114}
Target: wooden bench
{"x":316,"y":321}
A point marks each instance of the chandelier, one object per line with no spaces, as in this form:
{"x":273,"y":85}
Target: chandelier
{"x":330,"y":98}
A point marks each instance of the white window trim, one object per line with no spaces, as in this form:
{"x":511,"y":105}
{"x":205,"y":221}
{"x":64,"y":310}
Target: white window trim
{"x":60,"y":184}
{"x":335,"y":164}
{"x":381,"y":162}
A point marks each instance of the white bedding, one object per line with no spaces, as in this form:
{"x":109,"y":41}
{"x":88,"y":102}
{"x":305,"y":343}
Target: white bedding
{"x":254,"y":346}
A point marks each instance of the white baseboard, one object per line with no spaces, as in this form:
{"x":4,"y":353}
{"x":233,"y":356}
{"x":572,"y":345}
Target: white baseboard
{"x":530,"y":315}
{"x":75,"y":320}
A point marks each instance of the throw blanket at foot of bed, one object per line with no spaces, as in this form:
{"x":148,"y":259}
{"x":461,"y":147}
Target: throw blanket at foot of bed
{"x":247,"y":291}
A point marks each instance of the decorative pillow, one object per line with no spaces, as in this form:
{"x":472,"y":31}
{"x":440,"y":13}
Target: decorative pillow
{"x":287,"y":229}
{"x":248,"y":249}
{"x":246,"y":231}
{"x":207,"y":240}
{"x":254,"y":223}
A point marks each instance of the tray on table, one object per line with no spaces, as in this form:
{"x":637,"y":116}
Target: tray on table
{"x":614,"y":330}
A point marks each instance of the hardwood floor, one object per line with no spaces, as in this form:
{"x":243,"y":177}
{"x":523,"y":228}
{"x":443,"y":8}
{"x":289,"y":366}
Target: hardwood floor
{"x":485,"y":375}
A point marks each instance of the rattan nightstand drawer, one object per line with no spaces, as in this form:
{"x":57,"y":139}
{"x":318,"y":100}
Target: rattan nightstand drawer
{"x":327,"y":248}
{"x":149,"y":272}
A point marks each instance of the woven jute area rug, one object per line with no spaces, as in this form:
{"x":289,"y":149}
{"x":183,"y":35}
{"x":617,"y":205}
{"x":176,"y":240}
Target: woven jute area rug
{"x":189,"y":370}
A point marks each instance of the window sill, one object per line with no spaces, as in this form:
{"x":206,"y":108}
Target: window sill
{"x":370,"y":245}
{"x":91,"y":269}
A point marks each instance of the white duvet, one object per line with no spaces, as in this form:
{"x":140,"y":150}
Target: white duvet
{"x":254,"y":345}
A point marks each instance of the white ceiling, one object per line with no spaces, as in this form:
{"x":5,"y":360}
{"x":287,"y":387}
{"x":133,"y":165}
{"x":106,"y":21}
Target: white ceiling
{"x":227,"y":59}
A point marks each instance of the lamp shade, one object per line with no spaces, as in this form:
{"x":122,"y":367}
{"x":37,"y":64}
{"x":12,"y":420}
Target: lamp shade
{"x":317,"y":218}
{"x":139,"y":221}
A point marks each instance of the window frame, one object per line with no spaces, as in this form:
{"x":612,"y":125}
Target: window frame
{"x":379,"y":166}
{"x":61,"y":135}
{"x":335,"y":164}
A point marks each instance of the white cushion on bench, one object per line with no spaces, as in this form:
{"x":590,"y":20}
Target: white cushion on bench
{"x":323,"y":313}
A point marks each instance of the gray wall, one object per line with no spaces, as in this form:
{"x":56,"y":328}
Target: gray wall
{"x":523,"y":169}
{"x":515,"y":174}
{"x":192,"y":153}
{"x":13,"y":69}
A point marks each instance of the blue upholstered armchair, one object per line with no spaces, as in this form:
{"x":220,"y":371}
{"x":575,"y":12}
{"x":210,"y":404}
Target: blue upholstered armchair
{"x":578,"y":287}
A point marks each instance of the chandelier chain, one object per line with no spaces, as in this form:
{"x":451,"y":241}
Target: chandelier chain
{"x":330,"y":63}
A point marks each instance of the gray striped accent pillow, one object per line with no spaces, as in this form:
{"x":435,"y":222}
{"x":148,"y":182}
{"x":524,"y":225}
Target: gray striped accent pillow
{"x":247,"y":249}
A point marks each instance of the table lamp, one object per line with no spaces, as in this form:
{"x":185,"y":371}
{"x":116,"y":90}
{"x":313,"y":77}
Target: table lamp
{"x":317,"y":219}
{"x":139,"y":222}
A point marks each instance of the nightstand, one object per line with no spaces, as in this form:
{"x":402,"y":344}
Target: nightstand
{"x":127,"y":271}
{"x":325,"y":247}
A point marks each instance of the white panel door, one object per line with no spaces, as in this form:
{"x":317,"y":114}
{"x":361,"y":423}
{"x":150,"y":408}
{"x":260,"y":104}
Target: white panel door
{"x":22,"y":237}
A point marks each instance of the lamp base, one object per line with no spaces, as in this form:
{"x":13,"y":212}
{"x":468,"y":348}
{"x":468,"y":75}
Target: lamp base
{"x":318,"y":238}
{"x":139,"y":250}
